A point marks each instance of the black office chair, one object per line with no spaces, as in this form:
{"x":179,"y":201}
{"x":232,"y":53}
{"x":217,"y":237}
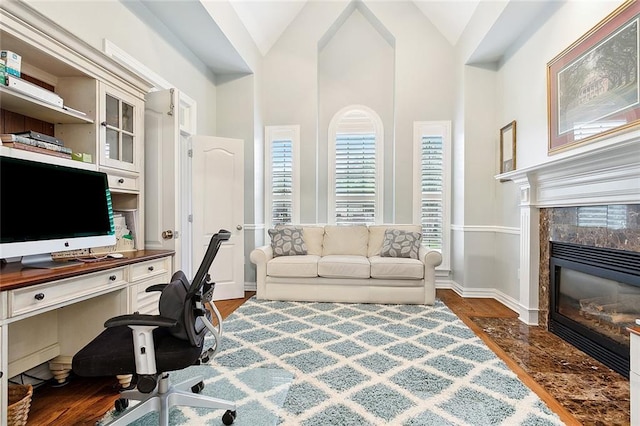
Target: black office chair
{"x":148,"y":346}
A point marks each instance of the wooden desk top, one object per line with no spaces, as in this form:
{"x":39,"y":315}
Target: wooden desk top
{"x":14,"y":275}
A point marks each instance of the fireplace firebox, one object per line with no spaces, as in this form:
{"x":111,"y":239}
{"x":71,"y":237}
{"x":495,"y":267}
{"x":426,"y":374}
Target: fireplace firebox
{"x":594,"y":297}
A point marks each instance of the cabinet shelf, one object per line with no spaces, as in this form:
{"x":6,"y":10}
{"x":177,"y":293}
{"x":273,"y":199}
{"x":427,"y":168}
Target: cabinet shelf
{"x":30,"y":107}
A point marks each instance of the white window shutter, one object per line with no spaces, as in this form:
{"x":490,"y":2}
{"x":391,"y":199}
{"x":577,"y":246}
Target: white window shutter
{"x":355,"y":170}
{"x":281,"y":182}
{"x":431,"y":182}
{"x":282,"y":175}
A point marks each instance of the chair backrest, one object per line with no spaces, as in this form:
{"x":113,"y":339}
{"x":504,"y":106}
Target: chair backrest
{"x":182,"y":301}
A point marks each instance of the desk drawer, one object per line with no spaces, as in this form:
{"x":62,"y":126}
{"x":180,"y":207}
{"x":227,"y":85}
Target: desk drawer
{"x":33,"y":298}
{"x":151,"y":268}
{"x":147,"y":303}
{"x":126,"y":183}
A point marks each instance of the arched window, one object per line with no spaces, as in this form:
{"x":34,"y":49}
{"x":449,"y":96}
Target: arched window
{"x":355,"y":166}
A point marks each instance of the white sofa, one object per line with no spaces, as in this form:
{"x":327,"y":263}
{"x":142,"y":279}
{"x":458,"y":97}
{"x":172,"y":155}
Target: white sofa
{"x":344,"y":264}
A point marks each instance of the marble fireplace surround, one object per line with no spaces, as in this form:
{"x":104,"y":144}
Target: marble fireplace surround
{"x":605,"y":173}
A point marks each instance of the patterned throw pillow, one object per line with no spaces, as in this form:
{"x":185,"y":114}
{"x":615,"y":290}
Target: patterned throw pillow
{"x":287,"y":241}
{"x":399,"y":243}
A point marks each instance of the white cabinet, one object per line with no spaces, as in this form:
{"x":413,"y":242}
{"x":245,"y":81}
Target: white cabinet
{"x":121,"y":139}
{"x":103,"y":104}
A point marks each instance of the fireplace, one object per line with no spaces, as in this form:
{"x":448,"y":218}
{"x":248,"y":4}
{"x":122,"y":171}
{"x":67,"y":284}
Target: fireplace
{"x":594,"y":296}
{"x":603,"y":173}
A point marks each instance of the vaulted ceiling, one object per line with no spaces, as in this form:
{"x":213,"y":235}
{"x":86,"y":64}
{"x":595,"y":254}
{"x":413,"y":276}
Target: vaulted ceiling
{"x":266,"y":20}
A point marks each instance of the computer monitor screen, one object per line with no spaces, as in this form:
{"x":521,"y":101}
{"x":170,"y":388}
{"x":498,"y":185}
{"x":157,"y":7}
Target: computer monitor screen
{"x":46,"y":208}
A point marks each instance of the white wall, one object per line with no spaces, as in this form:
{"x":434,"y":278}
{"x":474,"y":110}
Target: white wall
{"x":93,"y":21}
{"x":430,"y":82}
{"x":524,"y":80}
{"x":356,"y":66}
{"x":519,"y":93}
{"x":423,"y":89}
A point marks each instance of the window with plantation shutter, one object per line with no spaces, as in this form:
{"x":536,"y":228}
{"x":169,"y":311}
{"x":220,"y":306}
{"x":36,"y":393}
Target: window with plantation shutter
{"x":281,"y":180}
{"x":355,"y":166}
{"x":432,"y":144}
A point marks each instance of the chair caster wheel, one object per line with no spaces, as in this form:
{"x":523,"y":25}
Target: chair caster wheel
{"x":121,"y":404}
{"x":197,"y":388}
{"x":229,"y":417}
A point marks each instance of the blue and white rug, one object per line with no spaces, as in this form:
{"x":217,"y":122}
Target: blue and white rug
{"x":318,"y":364}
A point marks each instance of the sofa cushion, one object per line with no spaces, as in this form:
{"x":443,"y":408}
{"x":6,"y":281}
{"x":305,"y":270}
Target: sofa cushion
{"x":313,"y":236}
{"x":287,"y":241}
{"x":376,"y":235}
{"x":349,"y":240}
{"x":305,"y":266}
{"x":396,"y":268}
{"x":344,"y":266}
{"x":399,"y":243}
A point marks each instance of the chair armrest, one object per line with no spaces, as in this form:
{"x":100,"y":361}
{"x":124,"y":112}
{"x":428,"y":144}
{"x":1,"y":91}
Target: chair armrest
{"x":141,"y":319}
{"x":155,"y":287}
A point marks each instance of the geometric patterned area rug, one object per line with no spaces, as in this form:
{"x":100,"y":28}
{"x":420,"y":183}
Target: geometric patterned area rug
{"x":318,"y":364}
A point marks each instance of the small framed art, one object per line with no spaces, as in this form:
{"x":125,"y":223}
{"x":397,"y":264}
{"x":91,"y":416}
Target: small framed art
{"x":508,"y":147}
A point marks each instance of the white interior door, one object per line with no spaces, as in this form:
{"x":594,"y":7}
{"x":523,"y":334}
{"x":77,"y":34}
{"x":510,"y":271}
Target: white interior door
{"x":162,"y":158}
{"x":218,"y":203}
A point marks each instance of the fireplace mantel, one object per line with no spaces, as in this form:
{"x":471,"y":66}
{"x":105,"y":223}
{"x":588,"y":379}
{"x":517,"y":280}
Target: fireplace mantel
{"x":607,"y":172}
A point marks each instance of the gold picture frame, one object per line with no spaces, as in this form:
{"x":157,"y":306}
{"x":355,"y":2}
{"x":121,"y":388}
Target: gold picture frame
{"x":508,"y":147}
{"x":593,"y":87}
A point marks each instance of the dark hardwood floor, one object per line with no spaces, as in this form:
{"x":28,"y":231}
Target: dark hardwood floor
{"x":579,"y":389}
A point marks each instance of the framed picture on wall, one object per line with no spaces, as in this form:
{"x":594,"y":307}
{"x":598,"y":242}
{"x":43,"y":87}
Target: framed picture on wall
{"x":592,"y":86}
{"x":508,"y":148}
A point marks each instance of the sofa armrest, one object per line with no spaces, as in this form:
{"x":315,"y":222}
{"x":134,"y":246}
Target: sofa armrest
{"x":431,"y":258}
{"x":260,"y":256}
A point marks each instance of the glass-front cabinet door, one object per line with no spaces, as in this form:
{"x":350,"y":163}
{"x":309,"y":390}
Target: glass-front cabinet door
{"x":120,"y":128}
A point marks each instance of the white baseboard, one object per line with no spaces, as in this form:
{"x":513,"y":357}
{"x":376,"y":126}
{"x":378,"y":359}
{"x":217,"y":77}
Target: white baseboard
{"x":527,"y":316}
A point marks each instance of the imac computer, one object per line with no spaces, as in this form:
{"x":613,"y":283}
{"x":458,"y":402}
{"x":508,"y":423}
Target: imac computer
{"x":45,"y":208}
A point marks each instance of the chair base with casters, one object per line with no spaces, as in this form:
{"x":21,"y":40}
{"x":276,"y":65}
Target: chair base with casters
{"x":147,"y":346}
{"x":166,"y":396}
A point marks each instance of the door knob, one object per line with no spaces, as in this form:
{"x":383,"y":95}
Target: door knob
{"x":167,"y":235}
{"x":239,"y":227}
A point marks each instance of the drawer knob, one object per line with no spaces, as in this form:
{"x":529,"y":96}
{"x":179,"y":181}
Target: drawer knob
{"x":121,"y":180}
{"x":39,"y":296}
{"x":150,"y":268}
{"x":112,"y":277}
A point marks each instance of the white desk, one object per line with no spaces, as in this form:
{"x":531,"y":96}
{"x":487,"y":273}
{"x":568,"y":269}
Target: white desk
{"x":47,"y":314}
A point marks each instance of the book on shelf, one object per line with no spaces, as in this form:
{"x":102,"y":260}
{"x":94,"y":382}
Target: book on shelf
{"x":12,"y":137}
{"x":40,"y":137}
{"x":32,"y":148}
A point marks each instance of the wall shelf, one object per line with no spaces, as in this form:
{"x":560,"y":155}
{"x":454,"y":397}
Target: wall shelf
{"x":25,"y":105}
